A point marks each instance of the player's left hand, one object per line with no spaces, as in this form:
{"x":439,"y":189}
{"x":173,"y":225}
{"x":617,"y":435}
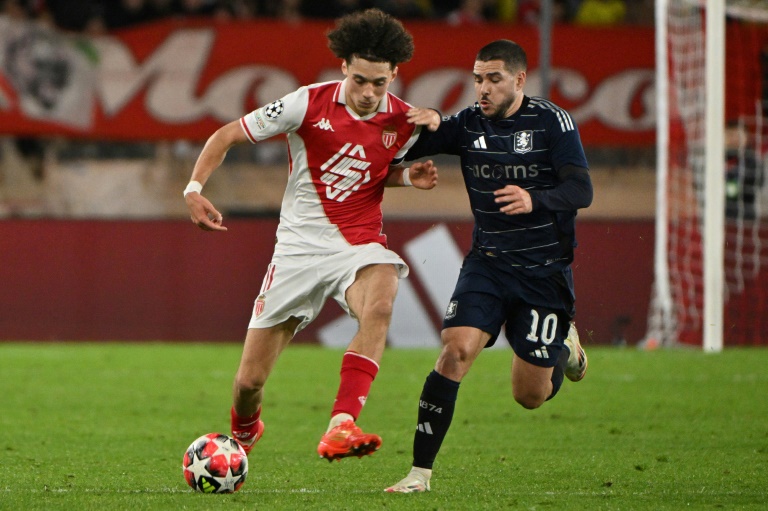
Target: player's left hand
{"x":516,"y":200}
{"x":423,"y":175}
{"x":424,"y":117}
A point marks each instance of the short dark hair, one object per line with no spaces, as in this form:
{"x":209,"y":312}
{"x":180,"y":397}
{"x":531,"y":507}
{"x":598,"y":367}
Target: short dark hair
{"x":511,"y":53}
{"x":371,"y":35}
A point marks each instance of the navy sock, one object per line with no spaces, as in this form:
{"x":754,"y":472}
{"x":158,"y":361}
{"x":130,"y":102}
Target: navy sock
{"x":559,"y":372}
{"x":436,"y":405}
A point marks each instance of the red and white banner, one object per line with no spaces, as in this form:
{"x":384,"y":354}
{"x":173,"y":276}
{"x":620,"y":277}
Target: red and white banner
{"x":175,"y":80}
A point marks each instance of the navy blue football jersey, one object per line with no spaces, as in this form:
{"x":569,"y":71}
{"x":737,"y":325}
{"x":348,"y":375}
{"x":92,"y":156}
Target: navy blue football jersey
{"x":526,"y":149}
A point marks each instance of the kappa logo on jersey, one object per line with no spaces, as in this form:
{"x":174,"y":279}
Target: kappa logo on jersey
{"x":450,"y":312}
{"x":480,"y":143}
{"x":274,"y":109}
{"x":389,"y":137}
{"x":523,"y":141}
{"x":323,"y":124}
{"x":343,"y":172}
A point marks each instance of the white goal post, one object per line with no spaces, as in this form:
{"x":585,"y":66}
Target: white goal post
{"x":714,"y":170}
{"x":711,"y":249}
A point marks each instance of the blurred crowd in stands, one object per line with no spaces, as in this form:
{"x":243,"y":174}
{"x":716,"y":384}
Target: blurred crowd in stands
{"x":100,"y":16}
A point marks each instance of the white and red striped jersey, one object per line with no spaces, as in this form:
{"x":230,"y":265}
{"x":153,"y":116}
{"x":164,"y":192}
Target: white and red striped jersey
{"x":338,"y":165}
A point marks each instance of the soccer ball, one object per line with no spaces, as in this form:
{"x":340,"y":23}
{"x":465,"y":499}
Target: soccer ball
{"x":215,"y":463}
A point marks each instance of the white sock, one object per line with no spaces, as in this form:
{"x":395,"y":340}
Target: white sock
{"x":421,"y":473}
{"x":338,"y":419}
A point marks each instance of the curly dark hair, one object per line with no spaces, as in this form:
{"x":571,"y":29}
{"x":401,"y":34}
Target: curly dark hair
{"x":371,"y":35}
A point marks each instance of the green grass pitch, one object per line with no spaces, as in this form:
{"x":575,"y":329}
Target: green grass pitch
{"x":104,"y":426}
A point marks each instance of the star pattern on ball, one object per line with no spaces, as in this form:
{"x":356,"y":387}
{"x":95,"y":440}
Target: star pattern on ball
{"x":227,"y":482}
{"x":198,"y":465}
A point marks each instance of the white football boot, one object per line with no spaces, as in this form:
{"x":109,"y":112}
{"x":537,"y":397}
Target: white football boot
{"x":577,"y":361}
{"x":417,"y":481}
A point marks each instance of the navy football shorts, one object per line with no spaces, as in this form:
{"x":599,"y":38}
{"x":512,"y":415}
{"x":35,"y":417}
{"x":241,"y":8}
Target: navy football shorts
{"x":536,"y":312}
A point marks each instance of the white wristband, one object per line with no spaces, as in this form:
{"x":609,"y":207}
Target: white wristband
{"x":193,"y":186}
{"x":407,"y":176}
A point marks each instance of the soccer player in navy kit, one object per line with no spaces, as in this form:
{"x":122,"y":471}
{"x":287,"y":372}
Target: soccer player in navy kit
{"x":526,"y":175}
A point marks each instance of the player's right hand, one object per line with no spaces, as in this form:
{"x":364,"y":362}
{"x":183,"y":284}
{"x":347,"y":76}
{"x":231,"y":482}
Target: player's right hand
{"x":203,"y":214}
{"x":423,"y":175}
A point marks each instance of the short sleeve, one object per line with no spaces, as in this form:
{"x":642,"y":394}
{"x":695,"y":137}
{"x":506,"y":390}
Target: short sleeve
{"x":284,"y":115}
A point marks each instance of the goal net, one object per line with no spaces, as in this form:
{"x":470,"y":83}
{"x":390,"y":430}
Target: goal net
{"x":685,"y":187}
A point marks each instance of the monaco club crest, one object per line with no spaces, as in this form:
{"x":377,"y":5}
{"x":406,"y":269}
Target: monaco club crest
{"x":259,"y":306}
{"x":388,"y":137}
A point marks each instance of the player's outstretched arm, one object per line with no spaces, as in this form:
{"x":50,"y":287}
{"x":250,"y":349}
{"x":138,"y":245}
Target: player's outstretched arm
{"x":202,"y":212}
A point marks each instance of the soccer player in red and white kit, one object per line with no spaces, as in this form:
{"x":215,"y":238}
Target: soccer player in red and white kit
{"x":346,"y":141}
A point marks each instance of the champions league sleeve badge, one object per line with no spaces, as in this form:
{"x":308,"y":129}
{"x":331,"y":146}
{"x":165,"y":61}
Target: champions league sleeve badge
{"x":523,"y":141}
{"x":273,"y":110}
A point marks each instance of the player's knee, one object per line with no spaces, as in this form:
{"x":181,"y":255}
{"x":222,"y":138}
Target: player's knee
{"x":455,"y":360}
{"x":456,"y":353}
{"x":379,"y":311}
{"x":529,"y":398}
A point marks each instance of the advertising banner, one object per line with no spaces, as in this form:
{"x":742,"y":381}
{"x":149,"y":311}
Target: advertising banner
{"x":181,"y":80}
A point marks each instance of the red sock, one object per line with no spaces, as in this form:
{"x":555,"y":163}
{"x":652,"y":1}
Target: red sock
{"x":357,"y":374}
{"x":242,"y":424}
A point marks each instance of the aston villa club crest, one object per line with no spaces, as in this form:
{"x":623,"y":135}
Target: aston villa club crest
{"x":450,"y":312}
{"x":523,"y":141}
{"x":389,"y":137}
